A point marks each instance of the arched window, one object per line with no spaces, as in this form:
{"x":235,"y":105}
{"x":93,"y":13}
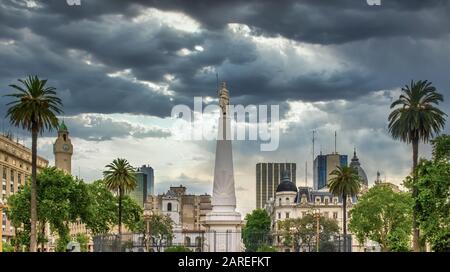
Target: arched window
{"x":198,"y":241}
{"x":169,"y":207}
{"x":287,"y":199}
{"x":187,"y":241}
{"x":279,"y":201}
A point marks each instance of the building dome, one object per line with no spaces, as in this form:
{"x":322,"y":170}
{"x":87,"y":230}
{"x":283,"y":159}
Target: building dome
{"x":286,"y":185}
{"x":63,"y":127}
{"x":357,"y":165}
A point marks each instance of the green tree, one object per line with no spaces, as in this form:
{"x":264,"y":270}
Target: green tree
{"x":157,"y":231}
{"x":384,"y":216}
{"x":120,"y":177}
{"x":415,"y":118}
{"x":266,"y":248}
{"x":177,"y":249}
{"x":7,"y":247}
{"x":34,"y":108}
{"x":102,"y":215}
{"x":256,"y":230}
{"x":132,"y":214}
{"x":432,"y":201}
{"x":345,"y":182}
{"x":83,"y":240}
{"x":301,"y":233}
{"x":61,"y":198}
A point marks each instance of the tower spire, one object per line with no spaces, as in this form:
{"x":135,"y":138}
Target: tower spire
{"x":335,"y":142}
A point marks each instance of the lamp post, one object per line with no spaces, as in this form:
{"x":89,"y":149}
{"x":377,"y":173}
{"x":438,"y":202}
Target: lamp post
{"x":316,"y":213}
{"x":147,"y":234}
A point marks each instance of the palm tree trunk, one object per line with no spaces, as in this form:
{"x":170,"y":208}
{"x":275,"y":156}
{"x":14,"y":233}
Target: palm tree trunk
{"x":33,"y":201}
{"x":416,"y":246}
{"x":344,"y":220}
{"x":43,"y":237}
{"x":120,"y":212}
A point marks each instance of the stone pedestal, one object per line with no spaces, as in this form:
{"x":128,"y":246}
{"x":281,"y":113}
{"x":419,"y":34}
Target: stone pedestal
{"x":223,"y":232}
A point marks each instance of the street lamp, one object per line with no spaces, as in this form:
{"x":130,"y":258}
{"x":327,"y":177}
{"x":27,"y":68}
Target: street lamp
{"x":316,"y":214}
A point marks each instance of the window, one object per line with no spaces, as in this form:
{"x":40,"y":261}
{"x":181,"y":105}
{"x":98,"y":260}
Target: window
{"x":12,"y":176}
{"x":287,"y":199}
{"x":335,"y":215}
{"x":317,"y":200}
{"x":169,"y":207}
{"x":279,"y":215}
{"x":198,"y":241}
{"x":11,"y":187}
{"x":326,"y":200}
{"x":187,"y":241}
{"x":335,"y":200}
{"x":19,"y":178}
{"x":4,"y":172}
{"x":279,"y":201}
{"x":287,"y":215}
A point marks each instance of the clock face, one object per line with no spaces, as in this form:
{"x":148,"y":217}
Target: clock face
{"x":66,"y":147}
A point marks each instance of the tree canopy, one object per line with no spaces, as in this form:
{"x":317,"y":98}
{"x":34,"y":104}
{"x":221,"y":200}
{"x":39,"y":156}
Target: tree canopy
{"x":301,"y":233}
{"x":384,"y":216}
{"x":256,"y":230}
{"x":432,"y":201}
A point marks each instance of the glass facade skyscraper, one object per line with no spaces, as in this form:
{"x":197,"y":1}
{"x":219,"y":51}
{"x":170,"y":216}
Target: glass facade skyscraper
{"x":324,"y":165}
{"x":268,"y":177}
{"x":144,"y":185}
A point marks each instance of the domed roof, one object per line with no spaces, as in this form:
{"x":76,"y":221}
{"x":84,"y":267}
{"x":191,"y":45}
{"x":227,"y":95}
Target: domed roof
{"x":286,"y":185}
{"x":357,"y":165}
{"x":63,"y":127}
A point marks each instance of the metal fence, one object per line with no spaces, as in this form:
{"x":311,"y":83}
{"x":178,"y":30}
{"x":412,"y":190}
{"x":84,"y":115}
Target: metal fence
{"x":139,"y":242}
{"x":198,"y":242}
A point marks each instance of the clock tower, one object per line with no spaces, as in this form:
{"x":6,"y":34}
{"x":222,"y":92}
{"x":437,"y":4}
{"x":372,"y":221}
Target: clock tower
{"x":63,"y":149}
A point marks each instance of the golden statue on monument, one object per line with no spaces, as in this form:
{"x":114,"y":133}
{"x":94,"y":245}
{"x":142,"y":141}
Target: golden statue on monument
{"x":224,"y":98}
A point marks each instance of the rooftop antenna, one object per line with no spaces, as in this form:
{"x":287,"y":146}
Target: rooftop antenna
{"x":313,"y":141}
{"x":335,"y":142}
{"x":217,"y":81}
{"x":306,"y":173}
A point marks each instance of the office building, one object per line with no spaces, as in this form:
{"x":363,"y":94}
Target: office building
{"x":139,"y":193}
{"x":146,"y":169}
{"x":323,"y":166}
{"x":15,"y":169}
{"x":268,"y":177}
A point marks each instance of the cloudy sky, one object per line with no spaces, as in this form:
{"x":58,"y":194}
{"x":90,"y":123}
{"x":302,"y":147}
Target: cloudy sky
{"x":121,"y":66}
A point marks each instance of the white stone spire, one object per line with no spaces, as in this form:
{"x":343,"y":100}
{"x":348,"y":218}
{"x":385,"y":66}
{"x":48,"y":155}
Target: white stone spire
{"x":224,"y":196}
{"x":223,"y":224}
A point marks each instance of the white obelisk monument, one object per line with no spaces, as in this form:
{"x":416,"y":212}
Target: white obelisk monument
{"x":223,"y":223}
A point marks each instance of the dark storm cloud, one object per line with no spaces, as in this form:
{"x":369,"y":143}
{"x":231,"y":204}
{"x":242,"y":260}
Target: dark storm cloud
{"x":93,"y":127}
{"x":324,"y":22}
{"x":382,"y":47}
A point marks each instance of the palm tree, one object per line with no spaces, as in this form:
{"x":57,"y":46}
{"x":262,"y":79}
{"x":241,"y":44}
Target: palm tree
{"x":416,"y":119}
{"x":120,"y":177}
{"x":34,"y":108}
{"x":344,"y":183}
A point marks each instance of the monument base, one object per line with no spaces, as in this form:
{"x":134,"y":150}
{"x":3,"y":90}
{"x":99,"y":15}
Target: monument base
{"x":223,"y":231}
